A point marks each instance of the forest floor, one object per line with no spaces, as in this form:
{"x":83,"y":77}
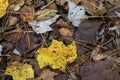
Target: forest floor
{"x":29,"y":27}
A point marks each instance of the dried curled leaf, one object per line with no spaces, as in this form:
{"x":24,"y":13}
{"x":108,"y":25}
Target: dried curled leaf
{"x":16,"y":5}
{"x":96,"y":56}
{"x":3,"y":7}
{"x":20,"y":71}
{"x":93,"y":9}
{"x":57,"y":55}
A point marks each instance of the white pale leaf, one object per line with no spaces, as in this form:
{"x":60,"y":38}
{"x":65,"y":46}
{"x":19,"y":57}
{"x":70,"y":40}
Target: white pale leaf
{"x":75,"y":13}
{"x":15,"y":51}
{"x":118,"y":13}
{"x":1,"y":48}
{"x":44,"y":25}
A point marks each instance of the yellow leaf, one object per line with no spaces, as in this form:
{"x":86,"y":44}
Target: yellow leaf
{"x":57,"y":55}
{"x":3,"y":7}
{"x":20,"y":71}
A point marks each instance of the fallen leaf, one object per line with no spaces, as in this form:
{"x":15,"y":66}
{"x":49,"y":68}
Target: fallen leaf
{"x":76,"y":1}
{"x":15,"y":51}
{"x":61,"y":76}
{"x":60,"y":2}
{"x":96,"y":56}
{"x":75,"y":13}
{"x":29,"y":2}
{"x":12,"y":20}
{"x":87,"y":32}
{"x":33,"y":62}
{"x":117,"y":60}
{"x":0,"y":59}
{"x":93,"y":9}
{"x":3,"y":6}
{"x":16,"y":5}
{"x":39,"y":3}
{"x":62,"y":23}
{"x":29,"y":40}
{"x":63,"y":3}
{"x":28,"y":16}
{"x":44,"y":25}
{"x":65,"y":32}
{"x":1,"y":48}
{"x":5,"y":77}
{"x":52,"y":5}
{"x":57,"y":55}
{"x":20,"y":71}
{"x":99,"y":70}
{"x":47,"y":74}
{"x":116,"y":27}
{"x":118,"y":13}
{"x":45,"y":14}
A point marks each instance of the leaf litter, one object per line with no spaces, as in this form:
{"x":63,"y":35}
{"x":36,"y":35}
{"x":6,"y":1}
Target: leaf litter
{"x":59,"y":39}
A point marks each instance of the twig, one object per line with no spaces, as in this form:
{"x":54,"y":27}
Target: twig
{"x":114,"y":8}
{"x":78,"y":42}
{"x":74,"y":77}
{"x":47,"y":4}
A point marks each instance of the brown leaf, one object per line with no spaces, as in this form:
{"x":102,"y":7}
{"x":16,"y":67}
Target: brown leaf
{"x":39,"y":3}
{"x":60,"y":2}
{"x":76,"y":1}
{"x":12,"y":20}
{"x":62,"y":23}
{"x":28,"y":14}
{"x":35,"y":66}
{"x":25,"y":43}
{"x":87,"y":32}
{"x":52,"y":5}
{"x":88,"y":29}
{"x":15,"y":5}
{"x":0,"y":59}
{"x":117,"y":60}
{"x":6,"y":77}
{"x":65,"y":32}
{"x":92,"y":8}
{"x":99,"y":70}
{"x":47,"y":75}
{"x":96,"y":56}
